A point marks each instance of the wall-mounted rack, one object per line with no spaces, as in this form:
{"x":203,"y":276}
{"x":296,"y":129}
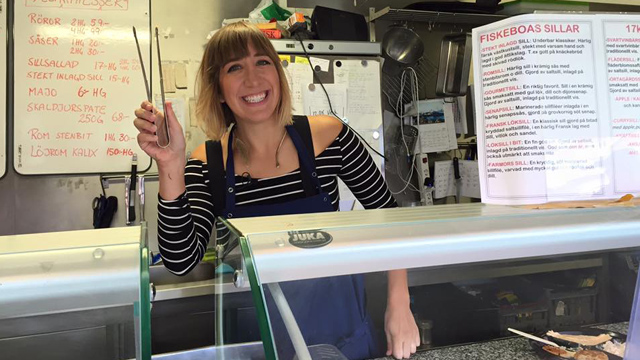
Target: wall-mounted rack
{"x":389,"y":14}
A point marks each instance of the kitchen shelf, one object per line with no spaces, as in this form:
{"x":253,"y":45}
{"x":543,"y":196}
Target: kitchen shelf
{"x":390,"y":14}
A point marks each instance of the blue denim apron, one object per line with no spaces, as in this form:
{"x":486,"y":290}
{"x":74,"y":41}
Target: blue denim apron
{"x":328,"y":310}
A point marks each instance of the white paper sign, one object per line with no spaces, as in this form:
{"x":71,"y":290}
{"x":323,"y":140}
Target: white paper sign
{"x":316,"y":103}
{"x":436,"y":125}
{"x":557,"y":107}
{"x":179,"y":106}
{"x":460,"y":108}
{"x":298,"y":75}
{"x":320,"y":63}
{"x":362,"y":80}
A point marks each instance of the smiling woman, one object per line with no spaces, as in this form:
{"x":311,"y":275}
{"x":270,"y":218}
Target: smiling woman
{"x":262,"y":161}
{"x":239,"y":54}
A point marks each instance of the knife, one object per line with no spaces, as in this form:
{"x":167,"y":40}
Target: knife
{"x":456,"y":175}
{"x":141,"y":194}
{"x":131,"y":214}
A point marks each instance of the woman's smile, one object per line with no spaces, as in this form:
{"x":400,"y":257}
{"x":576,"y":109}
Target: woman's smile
{"x":256,"y":98}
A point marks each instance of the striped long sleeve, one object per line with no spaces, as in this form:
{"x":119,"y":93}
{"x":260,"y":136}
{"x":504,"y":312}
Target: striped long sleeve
{"x":360,"y":174}
{"x":185,"y":224}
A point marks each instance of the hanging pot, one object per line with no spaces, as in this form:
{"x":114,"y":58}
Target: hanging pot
{"x":455,"y":62}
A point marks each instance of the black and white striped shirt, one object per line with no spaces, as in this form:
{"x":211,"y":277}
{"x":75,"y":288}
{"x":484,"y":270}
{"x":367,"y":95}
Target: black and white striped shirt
{"x":185,"y":224}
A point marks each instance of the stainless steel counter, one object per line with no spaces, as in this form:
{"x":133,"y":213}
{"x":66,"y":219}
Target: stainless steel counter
{"x":199,"y":282}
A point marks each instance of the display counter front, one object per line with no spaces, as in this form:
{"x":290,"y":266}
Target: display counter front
{"x":474,"y":271}
{"x":76,"y":294}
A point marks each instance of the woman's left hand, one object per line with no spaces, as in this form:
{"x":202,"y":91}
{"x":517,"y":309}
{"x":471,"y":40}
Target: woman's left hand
{"x":401,"y":330}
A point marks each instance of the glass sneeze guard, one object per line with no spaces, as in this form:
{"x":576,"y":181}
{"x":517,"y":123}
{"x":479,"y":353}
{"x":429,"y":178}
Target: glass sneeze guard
{"x":71,"y":286}
{"x":142,"y":308}
{"x":508,"y":245}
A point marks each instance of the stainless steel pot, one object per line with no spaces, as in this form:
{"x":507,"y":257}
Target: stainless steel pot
{"x":455,"y":62}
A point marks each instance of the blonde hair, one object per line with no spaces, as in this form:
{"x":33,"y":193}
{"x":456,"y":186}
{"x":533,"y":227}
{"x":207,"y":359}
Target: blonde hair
{"x":232,"y":42}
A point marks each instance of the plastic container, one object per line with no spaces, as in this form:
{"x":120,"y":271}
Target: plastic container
{"x":571,"y":308}
{"x":424,"y":327}
{"x":454,"y":316}
{"x":531,"y":318}
{"x":520,"y":304}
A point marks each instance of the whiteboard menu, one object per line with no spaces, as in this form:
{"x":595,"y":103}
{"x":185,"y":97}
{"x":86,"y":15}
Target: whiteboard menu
{"x":3,"y":86}
{"x":77,"y":83}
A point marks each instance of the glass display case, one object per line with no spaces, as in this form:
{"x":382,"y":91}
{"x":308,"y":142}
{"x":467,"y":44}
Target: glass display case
{"x":474,"y":271}
{"x":315,"y":286}
{"x":88,"y":290}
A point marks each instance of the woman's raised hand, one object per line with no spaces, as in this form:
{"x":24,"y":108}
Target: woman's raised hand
{"x":147,"y":117}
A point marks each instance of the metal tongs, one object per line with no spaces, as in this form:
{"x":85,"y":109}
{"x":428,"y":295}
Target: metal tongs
{"x":163,"y":125}
{"x":142,"y":196}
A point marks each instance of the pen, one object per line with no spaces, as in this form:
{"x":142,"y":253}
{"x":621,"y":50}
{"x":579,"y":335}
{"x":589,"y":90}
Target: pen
{"x":456,"y":175}
{"x":132,"y":189}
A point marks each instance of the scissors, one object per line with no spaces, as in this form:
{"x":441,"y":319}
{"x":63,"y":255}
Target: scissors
{"x":162,"y":125}
{"x":99,"y":205}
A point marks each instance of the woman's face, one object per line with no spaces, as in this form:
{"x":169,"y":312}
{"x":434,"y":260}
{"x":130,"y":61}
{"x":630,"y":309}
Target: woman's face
{"x":251,"y":87}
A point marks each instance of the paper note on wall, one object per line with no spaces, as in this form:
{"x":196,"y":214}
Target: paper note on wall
{"x":320,"y":64}
{"x":180,"y":72}
{"x":315,"y":100}
{"x":298,"y":75}
{"x":302,"y":60}
{"x":179,"y":106}
{"x":435,"y":125}
{"x":168,"y":77}
{"x":445,"y":183}
{"x":193,"y":119}
{"x":460,"y":115}
{"x":363,"y":91}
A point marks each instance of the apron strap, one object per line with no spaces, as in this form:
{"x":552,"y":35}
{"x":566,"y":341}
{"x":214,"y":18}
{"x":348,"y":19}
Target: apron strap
{"x":216,"y":175}
{"x":301,"y":124}
{"x":300,"y":134}
{"x":229,"y":190}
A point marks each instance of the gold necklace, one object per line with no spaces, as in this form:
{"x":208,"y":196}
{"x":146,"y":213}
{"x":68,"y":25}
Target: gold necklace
{"x":244,"y":150}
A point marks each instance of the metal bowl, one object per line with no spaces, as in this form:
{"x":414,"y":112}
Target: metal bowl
{"x":401,"y":48}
